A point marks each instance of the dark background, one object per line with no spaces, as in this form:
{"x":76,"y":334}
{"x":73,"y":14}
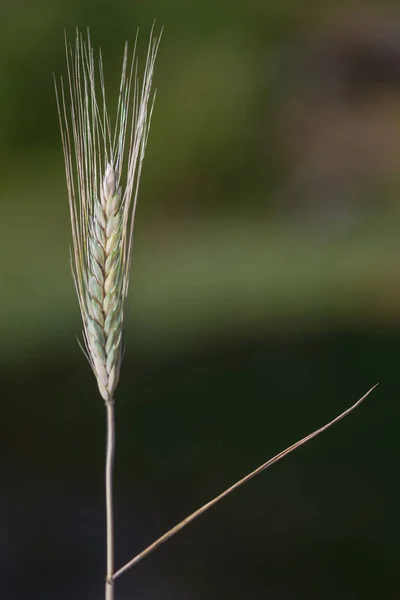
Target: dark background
{"x":265,"y":299}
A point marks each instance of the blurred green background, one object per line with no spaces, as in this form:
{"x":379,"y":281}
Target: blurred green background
{"x":265,"y":299}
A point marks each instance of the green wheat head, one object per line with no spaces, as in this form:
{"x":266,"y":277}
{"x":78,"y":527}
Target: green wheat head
{"x":103,"y":164}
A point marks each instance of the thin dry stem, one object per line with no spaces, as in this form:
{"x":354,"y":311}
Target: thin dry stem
{"x":109,"y":590}
{"x":234,"y":487}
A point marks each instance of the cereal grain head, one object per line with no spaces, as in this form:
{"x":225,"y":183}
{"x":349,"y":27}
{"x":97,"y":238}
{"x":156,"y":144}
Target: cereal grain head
{"x":103,"y":164}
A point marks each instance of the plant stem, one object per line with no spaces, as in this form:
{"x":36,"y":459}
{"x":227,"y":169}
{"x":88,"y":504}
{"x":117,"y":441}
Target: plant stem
{"x":235,"y":486}
{"x":109,"y":592}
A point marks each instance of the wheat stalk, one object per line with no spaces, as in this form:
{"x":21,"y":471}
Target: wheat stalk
{"x":205,"y":507}
{"x":103,"y":165}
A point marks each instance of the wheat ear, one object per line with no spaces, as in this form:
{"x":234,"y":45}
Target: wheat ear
{"x":102,"y":179}
{"x":103,"y":165}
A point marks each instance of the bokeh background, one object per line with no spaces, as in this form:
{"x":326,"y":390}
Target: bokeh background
{"x":265,"y":299}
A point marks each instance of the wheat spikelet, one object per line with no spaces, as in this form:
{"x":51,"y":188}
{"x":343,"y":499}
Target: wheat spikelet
{"x":103,"y":166}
